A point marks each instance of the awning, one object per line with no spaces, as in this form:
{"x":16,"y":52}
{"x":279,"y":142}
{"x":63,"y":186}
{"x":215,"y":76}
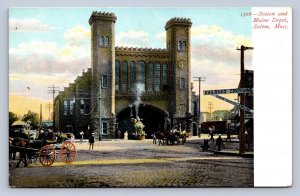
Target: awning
{"x":19,"y":122}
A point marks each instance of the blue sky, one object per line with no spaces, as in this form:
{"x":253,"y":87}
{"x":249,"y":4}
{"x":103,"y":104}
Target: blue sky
{"x":151,"y":20}
{"x":52,"y":45}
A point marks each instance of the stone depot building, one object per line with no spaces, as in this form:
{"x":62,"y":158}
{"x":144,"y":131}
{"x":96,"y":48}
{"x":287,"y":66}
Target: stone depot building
{"x":153,"y":85}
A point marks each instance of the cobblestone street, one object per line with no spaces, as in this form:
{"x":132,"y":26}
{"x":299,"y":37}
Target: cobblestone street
{"x":127,"y":163}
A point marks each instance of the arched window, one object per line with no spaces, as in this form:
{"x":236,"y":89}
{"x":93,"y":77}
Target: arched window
{"x":65,"y":108}
{"x":132,"y":75}
{"x":179,"y":45}
{"x":150,"y":77}
{"x":72,"y":103}
{"x":157,"y":77}
{"x":117,"y":81}
{"x":141,"y":76}
{"x":101,"y":41}
{"x":106,"y":41}
{"x":124,"y":76}
{"x":164,"y":74}
{"x":184,"y":45}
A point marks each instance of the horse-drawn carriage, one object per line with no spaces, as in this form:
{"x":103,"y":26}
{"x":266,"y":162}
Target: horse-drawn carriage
{"x":44,"y":150}
{"x":170,"y":137}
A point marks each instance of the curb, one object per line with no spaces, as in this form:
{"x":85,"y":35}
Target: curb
{"x":245,"y":155}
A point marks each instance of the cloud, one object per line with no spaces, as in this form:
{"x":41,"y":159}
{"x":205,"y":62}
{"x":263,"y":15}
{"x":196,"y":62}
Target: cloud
{"x":42,"y":63}
{"x":133,"y":39}
{"x":161,"y":37}
{"x":47,"y":58}
{"x":214,"y":41}
{"x":214,"y":55}
{"x":38,"y":84}
{"x":27,"y":25}
{"x":77,"y":36}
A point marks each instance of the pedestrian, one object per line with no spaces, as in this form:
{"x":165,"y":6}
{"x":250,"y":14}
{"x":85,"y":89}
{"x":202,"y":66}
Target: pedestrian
{"x":219,"y":142}
{"x":81,"y":133}
{"x":211,"y":133}
{"x":247,"y":141}
{"x":91,"y":141}
{"x":154,"y":137}
{"x":228,"y":135}
{"x":205,"y":145}
{"x":125,"y":135}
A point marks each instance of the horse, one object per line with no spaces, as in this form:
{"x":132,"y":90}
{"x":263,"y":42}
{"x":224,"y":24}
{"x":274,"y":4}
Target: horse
{"x":161,"y":137}
{"x":22,"y":144}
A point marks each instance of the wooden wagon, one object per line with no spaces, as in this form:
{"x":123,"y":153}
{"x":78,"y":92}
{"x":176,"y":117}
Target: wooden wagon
{"x":46,"y":151}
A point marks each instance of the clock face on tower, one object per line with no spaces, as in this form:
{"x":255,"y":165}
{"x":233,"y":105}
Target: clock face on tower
{"x":181,"y":63}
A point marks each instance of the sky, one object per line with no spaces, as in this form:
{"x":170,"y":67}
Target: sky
{"x":51,"y":46}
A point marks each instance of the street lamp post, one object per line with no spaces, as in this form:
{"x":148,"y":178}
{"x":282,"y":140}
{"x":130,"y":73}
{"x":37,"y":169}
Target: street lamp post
{"x":242,"y":101}
{"x":100,"y":116}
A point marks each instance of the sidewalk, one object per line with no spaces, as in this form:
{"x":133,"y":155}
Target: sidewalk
{"x":235,"y":153}
{"x":229,"y":148}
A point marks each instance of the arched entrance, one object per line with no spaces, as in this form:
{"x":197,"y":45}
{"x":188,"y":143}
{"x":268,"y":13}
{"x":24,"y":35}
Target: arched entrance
{"x":153,"y":118}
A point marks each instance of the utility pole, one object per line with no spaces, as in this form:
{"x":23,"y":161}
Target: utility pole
{"x":242,"y":101}
{"x":41,"y":113}
{"x":52,"y":89}
{"x":199,"y":79}
{"x":100,"y":116}
{"x":210,"y":106}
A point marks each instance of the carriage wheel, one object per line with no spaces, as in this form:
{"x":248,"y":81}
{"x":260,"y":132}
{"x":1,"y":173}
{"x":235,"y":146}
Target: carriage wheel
{"x":47,"y":155}
{"x":67,"y":152}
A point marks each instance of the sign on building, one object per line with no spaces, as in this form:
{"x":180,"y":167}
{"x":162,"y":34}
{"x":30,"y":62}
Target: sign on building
{"x":228,"y":91}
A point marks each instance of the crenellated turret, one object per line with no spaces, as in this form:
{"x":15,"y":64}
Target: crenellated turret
{"x":178,"y":45}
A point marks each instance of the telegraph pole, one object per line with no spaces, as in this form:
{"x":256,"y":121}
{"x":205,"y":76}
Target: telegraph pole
{"x":199,"y":79}
{"x":52,"y":89}
{"x":210,"y":106}
{"x":41,"y":113}
{"x":242,"y":101}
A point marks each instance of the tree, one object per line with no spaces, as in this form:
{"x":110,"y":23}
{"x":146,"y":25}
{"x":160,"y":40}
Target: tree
{"x":12,"y":118}
{"x":32,"y":117}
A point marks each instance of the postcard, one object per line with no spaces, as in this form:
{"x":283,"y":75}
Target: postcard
{"x":149,"y":97}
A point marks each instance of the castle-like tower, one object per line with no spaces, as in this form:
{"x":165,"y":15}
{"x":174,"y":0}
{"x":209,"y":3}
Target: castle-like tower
{"x":103,"y":69}
{"x":178,"y":45}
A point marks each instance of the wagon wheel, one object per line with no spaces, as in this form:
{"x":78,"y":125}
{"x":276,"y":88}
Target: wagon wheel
{"x":67,"y":152}
{"x":47,"y":155}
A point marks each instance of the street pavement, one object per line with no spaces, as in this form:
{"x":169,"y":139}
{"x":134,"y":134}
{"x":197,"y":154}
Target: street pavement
{"x":129,"y":163}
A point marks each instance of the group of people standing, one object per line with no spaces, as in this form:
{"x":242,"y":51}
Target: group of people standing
{"x":219,"y":140}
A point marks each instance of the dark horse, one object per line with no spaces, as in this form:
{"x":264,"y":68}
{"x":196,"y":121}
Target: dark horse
{"x":18,"y":142}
